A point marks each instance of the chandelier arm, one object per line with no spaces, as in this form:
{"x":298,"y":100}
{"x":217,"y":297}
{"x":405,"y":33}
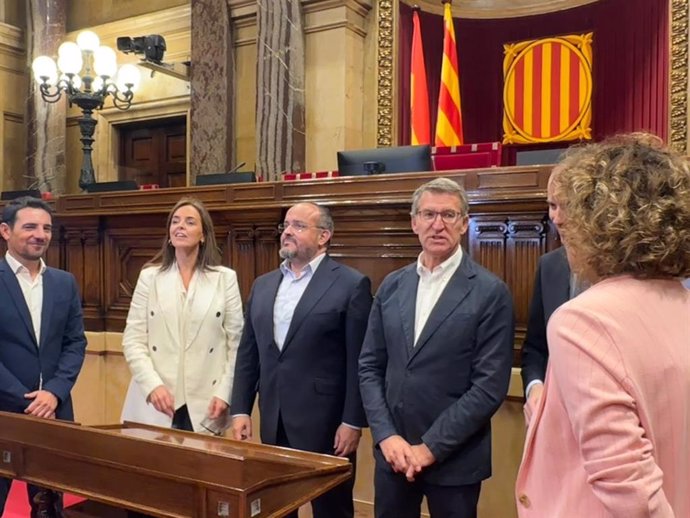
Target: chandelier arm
{"x":122,"y":100}
{"x":58,"y":88}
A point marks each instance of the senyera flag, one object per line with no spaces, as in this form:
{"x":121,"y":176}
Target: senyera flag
{"x":449,"y":118}
{"x":547,"y":95}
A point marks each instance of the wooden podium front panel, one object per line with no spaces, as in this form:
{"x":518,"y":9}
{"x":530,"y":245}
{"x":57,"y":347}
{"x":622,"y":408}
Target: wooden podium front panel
{"x":163,"y":472}
{"x":129,"y":488}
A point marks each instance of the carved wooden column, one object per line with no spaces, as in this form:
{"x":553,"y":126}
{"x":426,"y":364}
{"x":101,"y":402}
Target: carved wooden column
{"x":280,"y":125}
{"x":253,"y":244}
{"x":527,"y":241}
{"x":212,"y":89}
{"x":45,"y":152}
{"x":81,"y":243}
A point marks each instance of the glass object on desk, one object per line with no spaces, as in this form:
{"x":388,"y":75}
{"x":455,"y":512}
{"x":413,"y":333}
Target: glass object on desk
{"x":217,"y":426}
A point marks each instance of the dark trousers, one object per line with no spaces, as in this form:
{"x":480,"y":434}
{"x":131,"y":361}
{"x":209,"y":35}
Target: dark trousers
{"x":34,"y":493}
{"x":336,"y":503}
{"x":180,"y":421}
{"x":397,"y":498}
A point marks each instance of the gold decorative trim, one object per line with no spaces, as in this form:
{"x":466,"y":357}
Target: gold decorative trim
{"x":678,"y":71}
{"x":497,"y":9}
{"x":384,"y":58}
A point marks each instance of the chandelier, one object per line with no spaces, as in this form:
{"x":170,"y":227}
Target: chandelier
{"x":86,"y":73}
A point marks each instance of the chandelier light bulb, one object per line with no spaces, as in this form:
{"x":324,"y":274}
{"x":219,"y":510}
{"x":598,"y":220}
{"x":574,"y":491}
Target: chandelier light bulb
{"x":69,"y":58}
{"x":97,"y":84}
{"x":88,"y":41}
{"x":45,"y":67}
{"x":76,"y":81}
{"x":105,"y":61}
{"x":68,"y":48}
{"x":128,"y":75}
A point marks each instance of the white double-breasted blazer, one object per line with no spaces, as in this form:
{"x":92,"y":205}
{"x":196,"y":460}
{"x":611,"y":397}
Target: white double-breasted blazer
{"x":153,"y":346}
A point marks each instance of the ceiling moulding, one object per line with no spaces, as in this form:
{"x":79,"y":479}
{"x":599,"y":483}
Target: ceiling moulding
{"x":493,"y":9}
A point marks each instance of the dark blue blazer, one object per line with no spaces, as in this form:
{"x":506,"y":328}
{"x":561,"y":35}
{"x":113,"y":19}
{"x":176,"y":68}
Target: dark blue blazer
{"x":312,"y":382}
{"x":444,"y":390}
{"x":59,"y":356}
{"x":551,"y":289}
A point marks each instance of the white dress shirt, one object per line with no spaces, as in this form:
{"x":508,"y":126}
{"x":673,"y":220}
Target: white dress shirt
{"x":32,"y":290}
{"x":431,"y":285}
{"x":291,"y":289}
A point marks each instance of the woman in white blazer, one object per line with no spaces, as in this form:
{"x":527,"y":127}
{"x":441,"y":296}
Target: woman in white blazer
{"x":183,"y":329}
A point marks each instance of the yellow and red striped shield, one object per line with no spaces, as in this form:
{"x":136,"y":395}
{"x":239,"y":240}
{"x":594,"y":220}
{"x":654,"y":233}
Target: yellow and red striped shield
{"x":547,"y":93}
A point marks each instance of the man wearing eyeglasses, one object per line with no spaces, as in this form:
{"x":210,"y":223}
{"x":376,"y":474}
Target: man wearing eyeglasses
{"x":435,"y":366}
{"x":303,"y":333}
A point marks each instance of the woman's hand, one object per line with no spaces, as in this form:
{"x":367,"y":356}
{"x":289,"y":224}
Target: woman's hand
{"x":216,"y":408}
{"x":162,"y":400}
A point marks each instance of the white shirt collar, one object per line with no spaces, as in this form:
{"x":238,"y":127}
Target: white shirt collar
{"x":449,"y":265}
{"x":18,"y":267}
{"x":311,"y":267}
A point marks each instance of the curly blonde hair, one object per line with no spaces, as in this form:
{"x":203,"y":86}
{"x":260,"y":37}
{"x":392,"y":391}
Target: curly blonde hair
{"x":627,"y":208}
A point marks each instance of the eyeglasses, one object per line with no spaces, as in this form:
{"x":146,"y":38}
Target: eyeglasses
{"x":297,"y":226}
{"x":447,"y":216}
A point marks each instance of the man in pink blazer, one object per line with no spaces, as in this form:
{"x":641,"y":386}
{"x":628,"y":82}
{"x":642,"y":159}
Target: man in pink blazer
{"x":610,"y":436}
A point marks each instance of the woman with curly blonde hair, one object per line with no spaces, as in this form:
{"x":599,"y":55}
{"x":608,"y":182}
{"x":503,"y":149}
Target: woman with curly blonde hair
{"x":611,"y":434}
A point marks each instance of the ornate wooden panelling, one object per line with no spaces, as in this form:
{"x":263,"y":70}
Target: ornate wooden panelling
{"x":105,"y":239}
{"x":126,"y":250}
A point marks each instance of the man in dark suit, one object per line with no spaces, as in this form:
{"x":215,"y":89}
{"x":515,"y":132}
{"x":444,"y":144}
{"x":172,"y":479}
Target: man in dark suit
{"x":303,"y":333}
{"x":435,"y":366}
{"x":42,"y":341}
{"x":554,"y":284}
{"x":551,"y":289}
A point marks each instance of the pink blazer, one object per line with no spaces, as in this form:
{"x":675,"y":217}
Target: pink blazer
{"x":611,"y":434}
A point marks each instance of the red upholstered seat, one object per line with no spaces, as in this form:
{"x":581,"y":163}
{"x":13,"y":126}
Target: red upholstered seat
{"x":467,"y":156}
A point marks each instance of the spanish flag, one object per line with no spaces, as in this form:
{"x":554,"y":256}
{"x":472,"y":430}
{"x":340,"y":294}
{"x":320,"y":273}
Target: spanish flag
{"x":420,"y":124}
{"x":449,"y":119}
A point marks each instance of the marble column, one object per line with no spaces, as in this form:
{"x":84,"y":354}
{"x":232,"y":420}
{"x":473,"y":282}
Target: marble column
{"x":212,"y":89}
{"x":45,"y":149}
{"x":280,"y":117}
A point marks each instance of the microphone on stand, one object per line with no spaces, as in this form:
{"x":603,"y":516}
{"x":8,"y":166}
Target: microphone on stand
{"x":237,"y":167}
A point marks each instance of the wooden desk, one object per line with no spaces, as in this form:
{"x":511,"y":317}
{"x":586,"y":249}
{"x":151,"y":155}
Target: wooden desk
{"x":163,"y":472}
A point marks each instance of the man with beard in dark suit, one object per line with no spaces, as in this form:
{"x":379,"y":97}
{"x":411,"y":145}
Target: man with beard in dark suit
{"x":303,"y":332}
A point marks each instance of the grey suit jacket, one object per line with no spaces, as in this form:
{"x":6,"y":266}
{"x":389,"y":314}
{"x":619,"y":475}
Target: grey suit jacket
{"x":551,"y":290}
{"x":444,"y":390}
{"x":311,"y":383}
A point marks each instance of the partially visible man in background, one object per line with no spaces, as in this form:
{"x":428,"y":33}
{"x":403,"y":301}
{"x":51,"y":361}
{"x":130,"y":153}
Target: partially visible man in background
{"x":554,"y":285}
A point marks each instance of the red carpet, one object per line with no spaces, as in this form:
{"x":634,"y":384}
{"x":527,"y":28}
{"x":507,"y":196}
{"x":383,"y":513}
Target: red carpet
{"x":17,"y":505}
